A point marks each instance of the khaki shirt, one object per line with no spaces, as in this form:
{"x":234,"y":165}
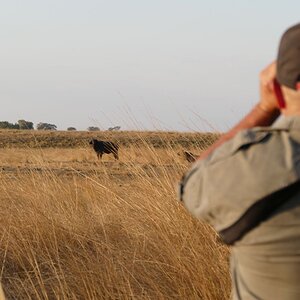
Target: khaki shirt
{"x":221,"y":188}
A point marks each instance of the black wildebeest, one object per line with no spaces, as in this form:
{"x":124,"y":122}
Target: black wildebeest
{"x":102,"y":147}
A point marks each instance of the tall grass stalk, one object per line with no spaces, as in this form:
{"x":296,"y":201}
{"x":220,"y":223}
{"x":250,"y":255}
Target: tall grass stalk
{"x":75,"y":228}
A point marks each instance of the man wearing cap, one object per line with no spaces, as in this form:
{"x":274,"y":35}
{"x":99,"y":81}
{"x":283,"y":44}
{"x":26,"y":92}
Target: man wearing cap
{"x":247,"y":185}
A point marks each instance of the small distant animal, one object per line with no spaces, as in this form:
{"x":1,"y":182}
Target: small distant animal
{"x":189,"y":156}
{"x":102,"y":147}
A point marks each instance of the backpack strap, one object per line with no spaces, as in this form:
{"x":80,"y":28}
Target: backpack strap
{"x":257,"y":213}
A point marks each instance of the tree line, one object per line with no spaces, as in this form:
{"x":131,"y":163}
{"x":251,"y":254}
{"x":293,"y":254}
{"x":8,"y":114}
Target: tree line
{"x":27,"y":125}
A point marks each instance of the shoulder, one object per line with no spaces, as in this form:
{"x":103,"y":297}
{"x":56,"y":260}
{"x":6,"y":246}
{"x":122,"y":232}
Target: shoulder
{"x":246,"y":140}
{"x":252,"y":165}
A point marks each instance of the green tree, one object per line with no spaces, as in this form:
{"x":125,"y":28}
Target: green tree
{"x":24,"y":125}
{"x":7,"y":125}
{"x":46,"y":126}
{"x":93,"y":128}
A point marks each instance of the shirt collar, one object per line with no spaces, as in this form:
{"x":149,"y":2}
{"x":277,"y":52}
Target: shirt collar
{"x":287,"y":122}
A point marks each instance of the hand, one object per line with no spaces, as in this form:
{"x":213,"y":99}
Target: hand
{"x":268,"y":101}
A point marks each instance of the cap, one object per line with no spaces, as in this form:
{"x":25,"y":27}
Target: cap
{"x":288,"y":60}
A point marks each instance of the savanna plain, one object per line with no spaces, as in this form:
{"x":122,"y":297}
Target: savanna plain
{"x":74,"y":227}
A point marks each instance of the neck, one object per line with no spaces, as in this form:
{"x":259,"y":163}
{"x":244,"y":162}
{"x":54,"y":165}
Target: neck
{"x":290,"y":112}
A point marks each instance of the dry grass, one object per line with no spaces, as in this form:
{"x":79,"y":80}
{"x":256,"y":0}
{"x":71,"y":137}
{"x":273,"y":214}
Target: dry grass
{"x":76,"y":228}
{"x":64,"y":139}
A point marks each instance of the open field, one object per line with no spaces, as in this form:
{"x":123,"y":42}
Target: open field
{"x":76,"y":228}
{"x":65,"y":139}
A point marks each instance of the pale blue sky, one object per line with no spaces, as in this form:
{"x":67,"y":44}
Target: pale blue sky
{"x":159,"y":64}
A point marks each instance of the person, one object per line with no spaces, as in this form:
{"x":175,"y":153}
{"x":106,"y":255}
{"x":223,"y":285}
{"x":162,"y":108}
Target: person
{"x":247,"y":184}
